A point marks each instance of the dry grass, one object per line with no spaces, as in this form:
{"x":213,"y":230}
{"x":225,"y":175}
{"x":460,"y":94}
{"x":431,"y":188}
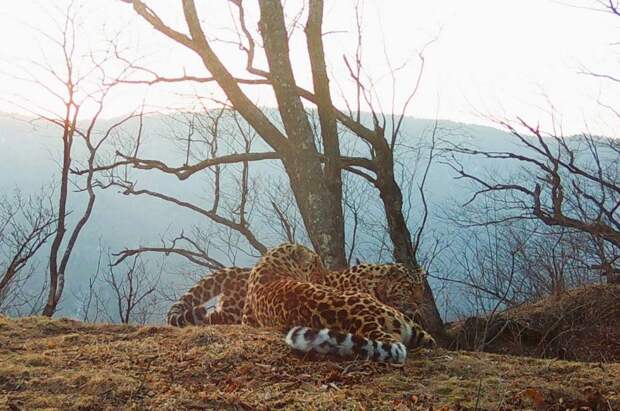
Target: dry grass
{"x":63,"y":364}
{"x":582,"y":324}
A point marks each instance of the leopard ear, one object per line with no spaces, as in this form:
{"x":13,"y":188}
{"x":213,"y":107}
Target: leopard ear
{"x":421,"y":274}
{"x":299,"y":254}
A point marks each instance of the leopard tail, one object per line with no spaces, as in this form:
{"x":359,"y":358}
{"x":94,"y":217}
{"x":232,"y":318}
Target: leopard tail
{"x":326,"y":341}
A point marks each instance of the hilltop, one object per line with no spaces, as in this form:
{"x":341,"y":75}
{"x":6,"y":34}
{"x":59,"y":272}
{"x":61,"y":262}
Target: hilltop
{"x":65,"y":364}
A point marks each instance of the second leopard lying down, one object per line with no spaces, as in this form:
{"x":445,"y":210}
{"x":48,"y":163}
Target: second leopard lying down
{"x":322,"y":319}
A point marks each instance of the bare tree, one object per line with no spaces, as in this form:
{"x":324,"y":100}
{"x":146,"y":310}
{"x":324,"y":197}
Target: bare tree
{"x":296,"y":149}
{"x":314,"y":175}
{"x":26,"y":224}
{"x":574,"y":180}
{"x":125,"y":291}
{"x":508,"y":263}
{"x":81,"y":82}
{"x":231,"y":201}
{"x":134,"y":290}
{"x":568,"y":182}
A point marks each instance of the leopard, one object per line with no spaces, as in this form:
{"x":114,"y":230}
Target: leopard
{"x":392,"y":284}
{"x":320,"y":319}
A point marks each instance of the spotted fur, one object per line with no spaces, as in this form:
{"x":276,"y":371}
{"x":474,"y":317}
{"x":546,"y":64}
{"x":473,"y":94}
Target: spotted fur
{"x":228,"y":284}
{"x":392,"y":284}
{"x":323,"y":319}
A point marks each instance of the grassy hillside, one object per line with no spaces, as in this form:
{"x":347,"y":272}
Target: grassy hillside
{"x":582,"y":324}
{"x":63,"y":364}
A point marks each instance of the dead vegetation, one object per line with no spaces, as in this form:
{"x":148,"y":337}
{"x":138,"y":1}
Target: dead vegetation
{"x":582,"y":324}
{"x":64,"y":364}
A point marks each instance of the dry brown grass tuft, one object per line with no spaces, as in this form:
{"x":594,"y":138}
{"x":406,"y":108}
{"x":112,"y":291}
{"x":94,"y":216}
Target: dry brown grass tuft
{"x":63,"y":364}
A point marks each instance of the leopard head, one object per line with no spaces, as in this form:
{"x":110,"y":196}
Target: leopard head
{"x":295,"y":261}
{"x":405,"y":289}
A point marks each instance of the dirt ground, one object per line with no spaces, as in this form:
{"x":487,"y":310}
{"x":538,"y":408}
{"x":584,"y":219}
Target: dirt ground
{"x":64,"y":364}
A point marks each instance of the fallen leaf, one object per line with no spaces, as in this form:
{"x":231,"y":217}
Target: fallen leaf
{"x":536,"y":397}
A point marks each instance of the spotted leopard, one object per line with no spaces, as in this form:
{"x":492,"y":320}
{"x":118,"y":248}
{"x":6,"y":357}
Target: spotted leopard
{"x":322,"y":319}
{"x":392,"y":284}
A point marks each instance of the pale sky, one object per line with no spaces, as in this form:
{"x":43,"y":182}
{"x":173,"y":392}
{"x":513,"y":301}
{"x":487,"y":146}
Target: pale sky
{"x":490,"y":58}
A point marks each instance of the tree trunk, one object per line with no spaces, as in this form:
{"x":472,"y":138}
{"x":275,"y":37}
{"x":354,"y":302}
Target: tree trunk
{"x":321,"y":211}
{"x":404,"y":251}
{"x":56,"y":275}
{"x":327,"y":119}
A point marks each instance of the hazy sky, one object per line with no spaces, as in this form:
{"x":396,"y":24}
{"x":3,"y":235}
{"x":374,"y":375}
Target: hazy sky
{"x":490,"y":58}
